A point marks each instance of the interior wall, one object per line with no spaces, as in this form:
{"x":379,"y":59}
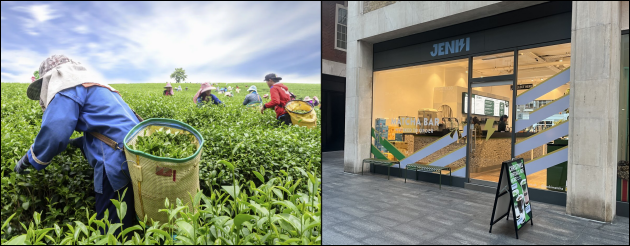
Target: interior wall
{"x":402,"y":92}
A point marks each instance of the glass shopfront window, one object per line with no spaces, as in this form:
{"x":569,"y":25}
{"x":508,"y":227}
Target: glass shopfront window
{"x":542,"y":114}
{"x":493,"y":65}
{"x":418,"y":115}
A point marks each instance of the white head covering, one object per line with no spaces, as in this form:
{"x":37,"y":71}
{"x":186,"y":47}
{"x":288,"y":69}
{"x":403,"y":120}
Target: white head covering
{"x":64,"y":76}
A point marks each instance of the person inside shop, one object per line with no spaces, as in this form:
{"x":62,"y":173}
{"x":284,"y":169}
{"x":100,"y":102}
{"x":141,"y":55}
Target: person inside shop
{"x":477,"y":125}
{"x":168,"y":89}
{"x":205,"y":95}
{"x":253,"y":96}
{"x":280,"y":95}
{"x":72,"y":99}
{"x":502,"y":123}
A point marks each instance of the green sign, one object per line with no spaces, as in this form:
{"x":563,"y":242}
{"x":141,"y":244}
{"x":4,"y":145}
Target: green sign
{"x":488,"y":108}
{"x":501,"y":108}
{"x":520,"y":194}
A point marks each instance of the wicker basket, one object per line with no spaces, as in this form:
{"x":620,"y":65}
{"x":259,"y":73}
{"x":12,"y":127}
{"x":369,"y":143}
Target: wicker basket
{"x":156,"y":178}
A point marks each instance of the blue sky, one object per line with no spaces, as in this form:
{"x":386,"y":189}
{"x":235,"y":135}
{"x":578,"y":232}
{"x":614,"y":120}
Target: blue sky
{"x":131,"y":42}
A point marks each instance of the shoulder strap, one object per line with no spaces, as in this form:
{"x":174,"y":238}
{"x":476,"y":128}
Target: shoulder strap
{"x":106,"y":140}
{"x":138,"y":116}
{"x":109,"y":141}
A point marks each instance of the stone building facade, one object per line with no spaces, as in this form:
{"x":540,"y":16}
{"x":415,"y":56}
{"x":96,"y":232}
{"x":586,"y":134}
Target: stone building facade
{"x":389,"y":36}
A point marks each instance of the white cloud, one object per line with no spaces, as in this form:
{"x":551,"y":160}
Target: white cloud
{"x":81,"y":29}
{"x":39,"y":13}
{"x":19,"y":65}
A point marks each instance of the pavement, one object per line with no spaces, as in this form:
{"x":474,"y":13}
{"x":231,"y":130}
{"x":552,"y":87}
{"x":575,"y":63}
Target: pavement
{"x":370,"y":209}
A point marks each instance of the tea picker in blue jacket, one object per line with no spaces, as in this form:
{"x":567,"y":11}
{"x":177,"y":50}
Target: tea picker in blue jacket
{"x":73,"y":101}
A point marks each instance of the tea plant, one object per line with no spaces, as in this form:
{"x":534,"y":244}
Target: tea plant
{"x":253,"y":143}
{"x":166,"y":144}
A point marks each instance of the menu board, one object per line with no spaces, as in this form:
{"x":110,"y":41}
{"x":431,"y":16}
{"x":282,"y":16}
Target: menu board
{"x":512,"y":195}
{"x":481,"y":105}
{"x":520,"y":194}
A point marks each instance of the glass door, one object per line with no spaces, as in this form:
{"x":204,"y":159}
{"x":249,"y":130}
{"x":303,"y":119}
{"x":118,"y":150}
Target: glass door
{"x":490,"y":116}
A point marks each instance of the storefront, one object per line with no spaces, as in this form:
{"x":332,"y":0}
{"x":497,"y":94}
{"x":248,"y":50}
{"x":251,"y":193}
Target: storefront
{"x":472,"y":95}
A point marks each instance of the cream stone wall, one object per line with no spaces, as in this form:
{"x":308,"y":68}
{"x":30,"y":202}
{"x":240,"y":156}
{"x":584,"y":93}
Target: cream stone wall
{"x":624,"y":16}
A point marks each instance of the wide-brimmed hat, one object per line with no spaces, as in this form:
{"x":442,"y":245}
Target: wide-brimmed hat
{"x":273,"y":77}
{"x":252,"y":88}
{"x":306,"y":98}
{"x":35,"y":88}
{"x":204,"y":87}
{"x":168,"y":85}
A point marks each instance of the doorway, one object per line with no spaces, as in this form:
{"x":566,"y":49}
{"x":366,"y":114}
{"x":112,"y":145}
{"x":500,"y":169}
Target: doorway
{"x":490,"y":113}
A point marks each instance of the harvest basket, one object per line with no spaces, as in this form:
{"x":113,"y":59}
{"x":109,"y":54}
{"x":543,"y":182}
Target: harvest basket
{"x":308,"y":119}
{"x":156,"y":178}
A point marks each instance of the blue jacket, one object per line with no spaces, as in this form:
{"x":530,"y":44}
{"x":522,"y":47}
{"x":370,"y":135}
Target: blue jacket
{"x":215,"y":100}
{"x":92,"y":109}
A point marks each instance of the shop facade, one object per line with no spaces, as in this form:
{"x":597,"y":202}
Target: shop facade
{"x":469,"y":85}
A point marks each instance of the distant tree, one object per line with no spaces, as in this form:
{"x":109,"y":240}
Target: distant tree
{"x":179,"y":75}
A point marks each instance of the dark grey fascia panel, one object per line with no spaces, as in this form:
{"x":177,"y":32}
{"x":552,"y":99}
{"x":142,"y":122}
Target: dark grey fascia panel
{"x":503,"y":19}
{"x":538,"y":31}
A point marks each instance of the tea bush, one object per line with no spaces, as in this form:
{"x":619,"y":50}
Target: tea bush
{"x":257,"y":146}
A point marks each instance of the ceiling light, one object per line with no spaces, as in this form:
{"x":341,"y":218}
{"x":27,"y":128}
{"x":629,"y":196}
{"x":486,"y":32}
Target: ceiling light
{"x":560,"y":59}
{"x":541,"y":79}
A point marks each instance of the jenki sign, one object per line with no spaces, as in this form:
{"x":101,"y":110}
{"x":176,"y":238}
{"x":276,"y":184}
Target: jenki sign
{"x":454,"y":46}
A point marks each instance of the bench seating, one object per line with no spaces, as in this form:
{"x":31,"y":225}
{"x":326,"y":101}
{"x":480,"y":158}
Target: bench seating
{"x":430,"y":169}
{"x":380,"y":162}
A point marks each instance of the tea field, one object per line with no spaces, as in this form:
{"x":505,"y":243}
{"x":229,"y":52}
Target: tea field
{"x":277,"y":170}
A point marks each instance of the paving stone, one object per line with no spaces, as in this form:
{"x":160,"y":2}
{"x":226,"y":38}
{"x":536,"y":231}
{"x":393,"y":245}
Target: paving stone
{"x":380,"y":241}
{"x":351,"y":232}
{"x":333,"y":238}
{"x":365,"y":225}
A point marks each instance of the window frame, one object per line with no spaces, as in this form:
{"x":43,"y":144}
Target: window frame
{"x":337,"y":7}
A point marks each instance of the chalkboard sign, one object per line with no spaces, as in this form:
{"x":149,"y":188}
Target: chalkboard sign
{"x":512,"y":195}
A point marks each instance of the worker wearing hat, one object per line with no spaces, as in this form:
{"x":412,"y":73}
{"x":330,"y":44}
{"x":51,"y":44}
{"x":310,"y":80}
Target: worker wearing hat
{"x":280,"y":95}
{"x":73,"y":100}
{"x":168,"y":89}
{"x":205,"y":94}
{"x":253,"y":96}
{"x":314,"y":102}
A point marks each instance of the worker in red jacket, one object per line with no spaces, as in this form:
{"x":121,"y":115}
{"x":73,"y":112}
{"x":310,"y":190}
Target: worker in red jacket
{"x":280,"y":95}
